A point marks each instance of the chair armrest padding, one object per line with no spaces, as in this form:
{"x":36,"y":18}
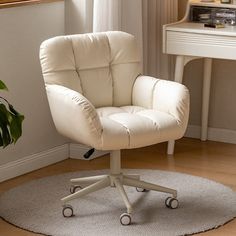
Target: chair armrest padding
{"x":163,"y":95}
{"x":74,"y":116}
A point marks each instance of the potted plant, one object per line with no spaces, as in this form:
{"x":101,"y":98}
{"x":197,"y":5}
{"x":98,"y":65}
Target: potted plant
{"x":10,"y":121}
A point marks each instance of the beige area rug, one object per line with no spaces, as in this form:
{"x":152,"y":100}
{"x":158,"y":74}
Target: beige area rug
{"x":204,"y":205}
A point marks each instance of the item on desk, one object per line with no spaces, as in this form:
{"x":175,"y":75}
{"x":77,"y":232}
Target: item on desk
{"x":225,"y":1}
{"x":214,"y":25}
{"x":204,"y":16}
{"x":207,"y":0}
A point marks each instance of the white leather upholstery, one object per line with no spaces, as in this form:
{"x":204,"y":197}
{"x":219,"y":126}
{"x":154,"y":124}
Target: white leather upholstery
{"x":98,"y":97}
{"x":134,"y":126}
{"x":74,"y":116}
{"x":162,"y":95}
{"x":101,"y":66}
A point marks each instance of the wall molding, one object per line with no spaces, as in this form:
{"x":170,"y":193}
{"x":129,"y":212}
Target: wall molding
{"x":36,"y":161}
{"x":214,"y":134}
{"x":33,"y":162}
{"x":76,"y":151}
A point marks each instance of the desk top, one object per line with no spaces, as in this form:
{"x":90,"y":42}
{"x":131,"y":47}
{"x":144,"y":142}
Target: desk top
{"x":200,"y":29}
{"x":216,"y":3}
{"x":193,"y":39}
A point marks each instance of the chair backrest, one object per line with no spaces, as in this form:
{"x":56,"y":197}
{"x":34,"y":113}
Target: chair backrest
{"x":101,"y":66}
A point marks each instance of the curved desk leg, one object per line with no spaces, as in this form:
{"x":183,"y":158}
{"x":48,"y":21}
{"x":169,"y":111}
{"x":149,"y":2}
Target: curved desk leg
{"x":179,"y":72}
{"x":179,"y":69}
{"x":171,"y":147}
{"x":206,"y":96}
{"x":181,"y":61}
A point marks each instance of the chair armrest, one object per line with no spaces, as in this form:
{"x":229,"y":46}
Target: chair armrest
{"x":163,"y":95}
{"x":74,"y":116}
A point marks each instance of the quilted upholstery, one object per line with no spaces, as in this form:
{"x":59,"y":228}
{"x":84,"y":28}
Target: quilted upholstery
{"x":96,"y":65}
{"x":98,"y":96}
{"x":134,"y":126}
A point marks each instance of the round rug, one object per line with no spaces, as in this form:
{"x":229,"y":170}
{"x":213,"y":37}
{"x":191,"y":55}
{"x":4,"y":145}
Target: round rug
{"x":36,"y":206}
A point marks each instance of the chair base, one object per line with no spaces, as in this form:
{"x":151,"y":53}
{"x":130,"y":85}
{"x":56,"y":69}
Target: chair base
{"x":118,"y":180}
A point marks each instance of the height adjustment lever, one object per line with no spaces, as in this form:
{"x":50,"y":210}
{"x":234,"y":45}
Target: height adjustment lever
{"x":89,"y":153}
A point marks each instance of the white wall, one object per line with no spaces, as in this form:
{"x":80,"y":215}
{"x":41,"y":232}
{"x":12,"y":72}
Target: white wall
{"x":22,"y":29}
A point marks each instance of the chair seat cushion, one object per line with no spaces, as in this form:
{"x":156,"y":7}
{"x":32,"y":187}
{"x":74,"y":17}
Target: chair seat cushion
{"x":133,"y":126}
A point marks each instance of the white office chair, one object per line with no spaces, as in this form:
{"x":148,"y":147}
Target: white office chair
{"x":98,"y":97}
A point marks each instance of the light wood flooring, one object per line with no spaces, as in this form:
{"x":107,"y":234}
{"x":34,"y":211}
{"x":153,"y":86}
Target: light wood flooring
{"x":212,"y":160}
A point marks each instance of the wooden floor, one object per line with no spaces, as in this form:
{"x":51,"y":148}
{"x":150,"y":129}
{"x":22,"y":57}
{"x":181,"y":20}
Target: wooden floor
{"x":216,"y":161}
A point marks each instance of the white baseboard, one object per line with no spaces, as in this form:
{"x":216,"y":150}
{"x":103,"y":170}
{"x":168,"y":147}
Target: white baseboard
{"x":214,"y":134}
{"x":33,"y":162}
{"x":78,"y":150}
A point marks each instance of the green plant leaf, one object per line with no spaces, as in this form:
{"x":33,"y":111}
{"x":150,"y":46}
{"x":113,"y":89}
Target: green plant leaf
{"x":11,"y":108}
{"x":16,"y":127}
{"x":3,"y":86}
{"x":1,"y":140}
{"x":6,"y":136}
{"x":10,"y":121}
{"x":10,"y":125}
{"x":16,"y":123}
{"x":4,"y":118}
{"x":4,"y":124}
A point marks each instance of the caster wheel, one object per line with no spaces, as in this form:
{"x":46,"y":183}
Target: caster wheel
{"x":67,"y":211}
{"x":167,"y":202}
{"x":171,"y":203}
{"x":141,"y":190}
{"x":74,"y":188}
{"x":125,"y":219}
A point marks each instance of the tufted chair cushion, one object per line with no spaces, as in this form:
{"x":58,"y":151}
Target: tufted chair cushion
{"x":98,"y":97}
{"x":101,"y":66}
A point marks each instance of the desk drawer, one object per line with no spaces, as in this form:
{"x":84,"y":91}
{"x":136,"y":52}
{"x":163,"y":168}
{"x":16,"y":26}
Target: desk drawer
{"x":202,"y":45}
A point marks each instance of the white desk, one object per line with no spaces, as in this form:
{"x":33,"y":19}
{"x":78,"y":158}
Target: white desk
{"x":189,"y":41}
